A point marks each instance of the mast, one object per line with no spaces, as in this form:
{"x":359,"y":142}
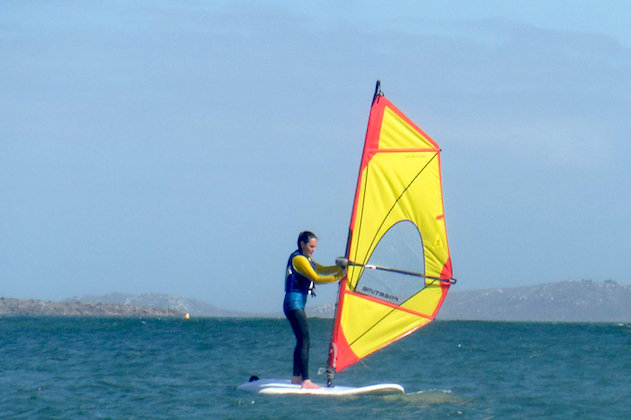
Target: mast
{"x":330,"y":370}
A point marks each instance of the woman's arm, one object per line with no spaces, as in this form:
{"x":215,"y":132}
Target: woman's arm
{"x":302,"y":265}
{"x":329,"y":269}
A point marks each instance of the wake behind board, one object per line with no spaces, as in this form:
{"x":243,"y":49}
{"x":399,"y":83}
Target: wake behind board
{"x":284,"y":386}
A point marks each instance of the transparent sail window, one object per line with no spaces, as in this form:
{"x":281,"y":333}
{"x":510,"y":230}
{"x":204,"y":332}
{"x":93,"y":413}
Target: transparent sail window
{"x":400,"y":248}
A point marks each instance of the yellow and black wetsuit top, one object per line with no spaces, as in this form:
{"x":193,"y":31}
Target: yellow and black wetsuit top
{"x":301,"y":271}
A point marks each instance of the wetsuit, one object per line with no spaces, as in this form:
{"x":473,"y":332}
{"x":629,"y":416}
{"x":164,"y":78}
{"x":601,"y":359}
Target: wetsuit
{"x":301,"y":272}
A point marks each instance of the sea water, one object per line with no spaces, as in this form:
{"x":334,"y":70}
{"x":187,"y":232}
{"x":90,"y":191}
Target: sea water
{"x":127,"y":368}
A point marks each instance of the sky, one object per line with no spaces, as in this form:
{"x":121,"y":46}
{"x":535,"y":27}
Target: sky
{"x":180,"y":147}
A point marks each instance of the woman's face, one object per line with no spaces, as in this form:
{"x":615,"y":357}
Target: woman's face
{"x":308,"y":248}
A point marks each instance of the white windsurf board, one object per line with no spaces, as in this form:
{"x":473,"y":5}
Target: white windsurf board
{"x":284,"y":386}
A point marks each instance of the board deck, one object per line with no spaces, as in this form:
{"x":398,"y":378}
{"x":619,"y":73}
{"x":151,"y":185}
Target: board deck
{"x":284,"y":386}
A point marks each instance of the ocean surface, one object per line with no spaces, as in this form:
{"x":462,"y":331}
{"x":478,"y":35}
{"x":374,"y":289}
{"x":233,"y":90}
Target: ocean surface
{"x":112,"y":368}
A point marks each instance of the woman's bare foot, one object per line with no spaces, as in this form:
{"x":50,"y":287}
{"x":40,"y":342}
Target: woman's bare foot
{"x":296,"y":380}
{"x":310,"y":385}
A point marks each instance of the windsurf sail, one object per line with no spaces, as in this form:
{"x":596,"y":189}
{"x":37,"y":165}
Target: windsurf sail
{"x":399,"y":266}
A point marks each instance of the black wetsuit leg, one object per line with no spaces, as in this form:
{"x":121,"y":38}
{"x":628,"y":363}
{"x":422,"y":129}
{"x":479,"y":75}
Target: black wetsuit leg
{"x":298,"y":320}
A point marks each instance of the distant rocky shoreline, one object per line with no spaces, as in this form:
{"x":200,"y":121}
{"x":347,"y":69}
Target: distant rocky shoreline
{"x":33,"y":307}
{"x":566,"y":301}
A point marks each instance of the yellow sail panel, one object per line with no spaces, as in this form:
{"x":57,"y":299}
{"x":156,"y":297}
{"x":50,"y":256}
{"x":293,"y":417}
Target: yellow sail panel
{"x":400,"y":263}
{"x":378,"y":326}
{"x":394,"y":186}
{"x":356,"y":326}
{"x":396,"y":133}
{"x":397,"y":325}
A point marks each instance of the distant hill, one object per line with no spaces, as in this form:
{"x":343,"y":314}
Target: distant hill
{"x":156,"y":300}
{"x":569,"y":301}
{"x":321,"y":311}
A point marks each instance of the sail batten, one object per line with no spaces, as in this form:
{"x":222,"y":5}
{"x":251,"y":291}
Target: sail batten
{"x":397,"y":222}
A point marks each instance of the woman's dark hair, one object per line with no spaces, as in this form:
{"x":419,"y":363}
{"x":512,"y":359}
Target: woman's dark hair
{"x":305,"y":237}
